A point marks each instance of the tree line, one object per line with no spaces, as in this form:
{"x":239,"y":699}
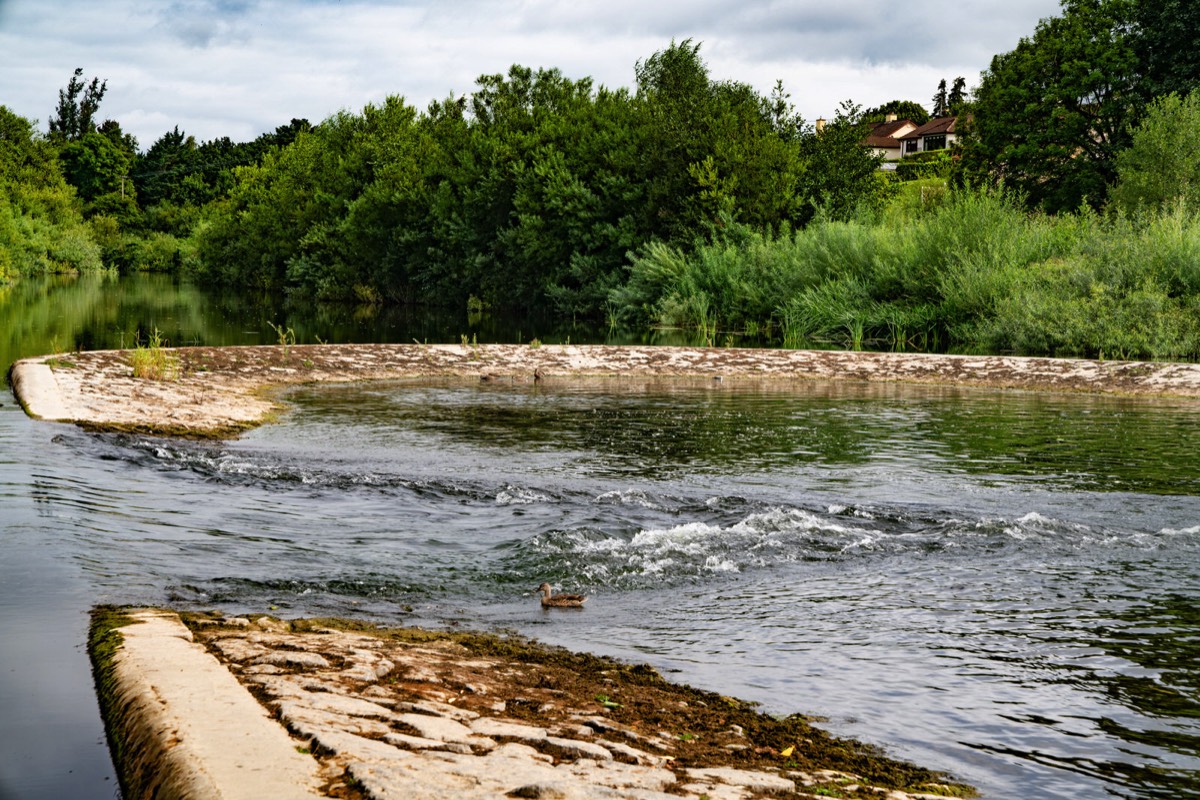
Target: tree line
{"x":532,"y":189}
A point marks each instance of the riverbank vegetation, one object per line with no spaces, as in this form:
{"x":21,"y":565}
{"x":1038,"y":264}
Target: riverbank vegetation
{"x":975,"y":273}
{"x":1055,"y":226}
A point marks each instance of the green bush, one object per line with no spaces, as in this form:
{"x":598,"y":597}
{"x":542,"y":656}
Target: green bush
{"x":1064,"y":307}
{"x":919,"y":166}
{"x":1162,"y":165}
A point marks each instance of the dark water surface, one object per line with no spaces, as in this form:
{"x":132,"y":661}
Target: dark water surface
{"x":1001,"y":585}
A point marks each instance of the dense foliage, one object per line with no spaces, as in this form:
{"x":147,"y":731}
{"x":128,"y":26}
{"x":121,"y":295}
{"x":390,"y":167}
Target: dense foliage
{"x":966,"y":271}
{"x":41,"y":226}
{"x":1070,"y":225}
{"x":534,"y":189}
{"x":1162,"y":165}
{"x":1051,"y":116}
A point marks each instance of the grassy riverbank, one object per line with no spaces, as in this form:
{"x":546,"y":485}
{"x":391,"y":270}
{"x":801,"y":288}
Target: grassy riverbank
{"x":969,"y":270}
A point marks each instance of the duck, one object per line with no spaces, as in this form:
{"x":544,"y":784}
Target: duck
{"x":551,"y":600}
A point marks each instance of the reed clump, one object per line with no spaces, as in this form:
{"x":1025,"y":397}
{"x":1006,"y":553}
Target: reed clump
{"x":152,"y":360}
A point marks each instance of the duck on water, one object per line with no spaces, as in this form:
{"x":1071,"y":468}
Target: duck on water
{"x":551,"y":600}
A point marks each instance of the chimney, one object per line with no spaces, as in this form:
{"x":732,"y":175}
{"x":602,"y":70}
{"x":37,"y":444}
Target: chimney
{"x":820,"y":125}
{"x":890,"y":118}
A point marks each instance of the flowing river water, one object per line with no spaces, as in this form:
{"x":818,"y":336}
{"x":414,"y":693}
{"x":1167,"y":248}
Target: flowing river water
{"x":1002,"y":585}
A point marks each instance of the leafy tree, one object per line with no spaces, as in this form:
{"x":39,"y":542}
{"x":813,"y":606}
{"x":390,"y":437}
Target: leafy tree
{"x":903,"y":109}
{"x":25,"y":158}
{"x":673,"y":91}
{"x":711,"y":147}
{"x":284,"y":220}
{"x":160,"y":168}
{"x":1164,"y":39}
{"x":841,"y":176}
{"x":111,"y":129}
{"x":574,"y":201}
{"x":96,"y":166}
{"x":784,"y":119}
{"x":77,"y":105}
{"x":1162,"y":165}
{"x":1050,"y":116}
{"x":177,"y":174}
{"x":41,"y":229}
{"x":349,"y":252}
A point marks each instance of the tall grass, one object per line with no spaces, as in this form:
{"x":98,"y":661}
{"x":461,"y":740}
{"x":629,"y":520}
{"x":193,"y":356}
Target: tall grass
{"x":152,"y":360}
{"x":972,"y":271}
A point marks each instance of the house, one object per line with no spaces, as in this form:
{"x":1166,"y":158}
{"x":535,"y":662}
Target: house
{"x":937,"y":134}
{"x":884,"y":138}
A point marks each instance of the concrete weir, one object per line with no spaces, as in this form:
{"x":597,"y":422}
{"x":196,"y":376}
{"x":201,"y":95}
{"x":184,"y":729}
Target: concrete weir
{"x":34,"y":385}
{"x":187,"y":728}
{"x":257,"y":707}
{"x":219,"y":391}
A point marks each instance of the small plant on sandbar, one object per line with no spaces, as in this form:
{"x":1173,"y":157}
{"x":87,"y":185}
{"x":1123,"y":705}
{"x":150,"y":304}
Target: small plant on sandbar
{"x":152,"y":360}
{"x":287,"y":338}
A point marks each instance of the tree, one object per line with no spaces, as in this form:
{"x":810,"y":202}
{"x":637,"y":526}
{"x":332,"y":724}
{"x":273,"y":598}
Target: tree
{"x":958,"y":95}
{"x":1162,"y":166}
{"x":161,"y":168}
{"x":96,"y":166}
{"x":941,"y":103}
{"x":77,"y":105}
{"x":711,"y":147}
{"x":903,"y":109}
{"x":25,"y":157}
{"x":841,"y":175}
{"x":1050,"y":116}
{"x":673,"y":94}
{"x":1164,"y":38}
{"x":784,"y":119}
{"x":179,"y":170}
{"x":40,"y":225}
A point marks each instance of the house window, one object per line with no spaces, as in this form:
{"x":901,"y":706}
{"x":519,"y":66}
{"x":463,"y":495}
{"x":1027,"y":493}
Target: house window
{"x":935,"y":142}
{"x":910,"y":146}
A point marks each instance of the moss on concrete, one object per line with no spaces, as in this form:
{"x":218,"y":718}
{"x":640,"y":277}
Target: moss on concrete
{"x":104,"y":642}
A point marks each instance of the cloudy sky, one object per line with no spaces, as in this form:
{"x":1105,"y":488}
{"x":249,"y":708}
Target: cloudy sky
{"x":238,"y":68}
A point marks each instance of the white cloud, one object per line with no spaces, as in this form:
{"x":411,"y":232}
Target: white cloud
{"x":238,"y":68}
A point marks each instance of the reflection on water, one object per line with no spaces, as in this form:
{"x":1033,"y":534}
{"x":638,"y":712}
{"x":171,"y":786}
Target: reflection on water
{"x":106,"y":311}
{"x":1077,"y":443}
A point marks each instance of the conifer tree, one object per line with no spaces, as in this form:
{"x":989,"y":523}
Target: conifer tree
{"x":940,"y":100}
{"x":77,"y":105}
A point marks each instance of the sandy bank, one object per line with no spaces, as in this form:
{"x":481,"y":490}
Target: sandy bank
{"x":220,"y":390}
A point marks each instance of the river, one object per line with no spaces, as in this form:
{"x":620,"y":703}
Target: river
{"x":1001,"y":585}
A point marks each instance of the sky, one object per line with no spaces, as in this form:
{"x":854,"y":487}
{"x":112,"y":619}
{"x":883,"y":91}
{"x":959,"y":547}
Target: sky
{"x":239,"y":68}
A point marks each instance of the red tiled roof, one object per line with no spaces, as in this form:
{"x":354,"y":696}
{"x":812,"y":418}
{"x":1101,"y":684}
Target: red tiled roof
{"x":883,"y":134}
